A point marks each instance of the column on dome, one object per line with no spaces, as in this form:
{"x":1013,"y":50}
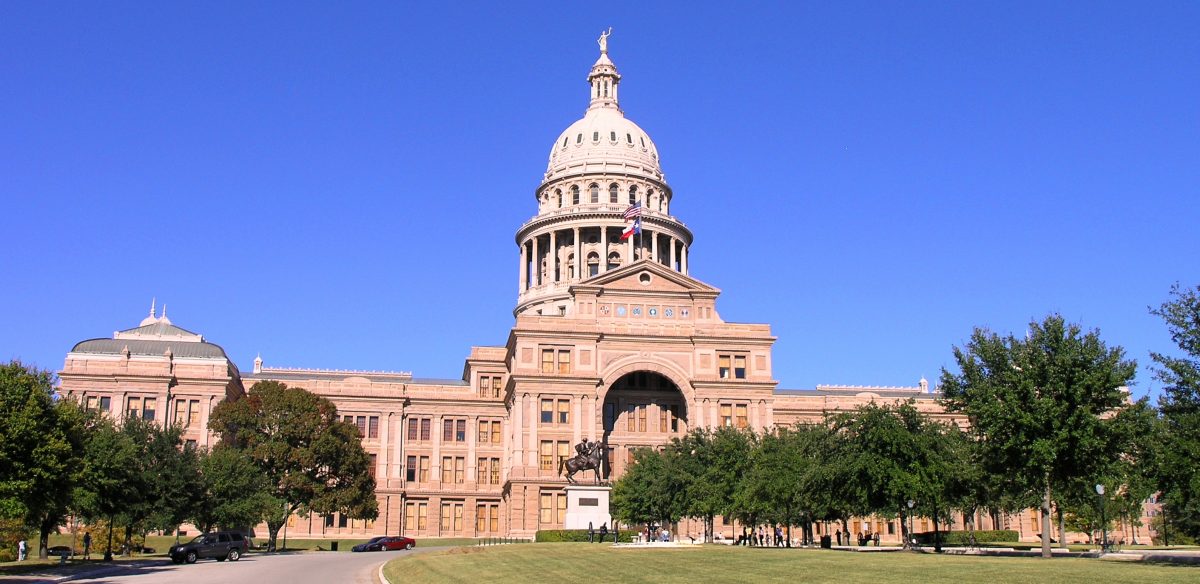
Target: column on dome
{"x":578,"y":256}
{"x":524,"y":283}
{"x":683,"y":265}
{"x":603,"y":249}
{"x":552,"y":260}
{"x":536,"y":280}
{"x":672,"y":239}
{"x":654,"y":246}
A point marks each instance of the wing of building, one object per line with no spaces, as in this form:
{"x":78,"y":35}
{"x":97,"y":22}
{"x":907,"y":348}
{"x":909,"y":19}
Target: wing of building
{"x":614,"y":341}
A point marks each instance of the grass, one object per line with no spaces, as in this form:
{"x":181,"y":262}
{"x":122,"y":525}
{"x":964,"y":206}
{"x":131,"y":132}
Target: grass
{"x":570,"y":561}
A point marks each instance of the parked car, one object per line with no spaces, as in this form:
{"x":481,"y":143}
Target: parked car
{"x":60,"y":550}
{"x":386,"y":542}
{"x":219,"y":545}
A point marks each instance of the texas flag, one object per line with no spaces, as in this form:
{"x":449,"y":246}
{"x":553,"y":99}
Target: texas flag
{"x":634,"y":228}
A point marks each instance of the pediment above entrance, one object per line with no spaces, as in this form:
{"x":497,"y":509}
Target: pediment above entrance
{"x":649,"y":277}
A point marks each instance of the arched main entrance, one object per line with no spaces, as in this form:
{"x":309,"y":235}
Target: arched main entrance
{"x":641,"y":409}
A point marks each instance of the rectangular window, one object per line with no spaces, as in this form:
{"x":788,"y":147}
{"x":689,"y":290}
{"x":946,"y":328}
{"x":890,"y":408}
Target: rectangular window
{"x":664,"y":418}
{"x":495,"y":471}
{"x":642,"y":418}
{"x":373,"y":427}
{"x":460,"y":431}
{"x":546,"y":455}
{"x":481,"y":471}
{"x":740,"y":418}
{"x":496,"y":437}
{"x":564,"y":411}
{"x":723,"y":368}
{"x":564,"y":452}
{"x":547,"y":411}
{"x":564,"y":361}
{"x":342,"y":519}
{"x":148,"y":408}
{"x":447,"y":470}
{"x":410,"y":473}
{"x":361,"y":422}
{"x":547,"y":360}
{"x":189,"y":443}
{"x":545,"y":508}
{"x":193,"y":413}
{"x":739,"y":366}
{"x":329,"y":521}
{"x":447,"y":430}
{"x":452,"y":516}
{"x":105,"y":402}
{"x":133,"y":408}
{"x":496,"y":387}
{"x":374,"y":461}
{"x":180,"y":412}
{"x":674,"y":410}
{"x":480,"y":518}
{"x":481,"y":436}
{"x":726,"y":415}
{"x":414,"y":426}
{"x":610,"y":415}
{"x":494,"y":518}
{"x":91,"y":402}
{"x":485,"y":386}
{"x":414,"y":515}
{"x":423,"y":474}
{"x":460,"y":470}
{"x":562,"y":507}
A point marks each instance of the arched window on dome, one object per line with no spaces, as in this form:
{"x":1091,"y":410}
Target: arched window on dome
{"x":579,"y":138}
{"x":613,"y":195}
{"x":629,"y":138}
{"x":612,"y":136}
{"x":594,"y":192}
{"x":565,"y":141}
{"x":651,"y":199}
{"x":632,"y":194}
{"x":664,"y":204}
{"x":614,"y":260}
{"x":558,"y":195}
{"x":575,"y":194}
{"x":571,"y":266}
{"x":643,"y":139}
{"x":593,"y":260}
{"x":595,"y":136}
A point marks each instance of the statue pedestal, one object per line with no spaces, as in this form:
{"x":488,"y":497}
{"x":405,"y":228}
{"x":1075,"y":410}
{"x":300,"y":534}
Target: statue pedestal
{"x":587,"y":503}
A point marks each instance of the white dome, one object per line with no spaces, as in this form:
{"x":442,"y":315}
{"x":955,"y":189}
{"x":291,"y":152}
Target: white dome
{"x":604,"y":140}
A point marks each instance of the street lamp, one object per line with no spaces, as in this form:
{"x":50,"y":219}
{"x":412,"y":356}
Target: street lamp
{"x":910,"y":523}
{"x":1103,"y":523}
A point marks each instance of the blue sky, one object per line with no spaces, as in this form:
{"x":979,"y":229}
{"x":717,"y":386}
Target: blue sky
{"x":337,"y":185}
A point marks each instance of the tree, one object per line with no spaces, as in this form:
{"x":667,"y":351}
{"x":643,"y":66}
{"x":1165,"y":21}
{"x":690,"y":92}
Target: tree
{"x":780,"y":483}
{"x":110,"y":476}
{"x":39,"y":450}
{"x":652,"y":490}
{"x":1041,"y":408}
{"x":313,"y":461}
{"x":713,"y":463}
{"x":1180,"y":410}
{"x":234,"y":492}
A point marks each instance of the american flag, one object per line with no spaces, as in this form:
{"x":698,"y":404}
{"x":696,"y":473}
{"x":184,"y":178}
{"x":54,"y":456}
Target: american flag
{"x":634,"y":211}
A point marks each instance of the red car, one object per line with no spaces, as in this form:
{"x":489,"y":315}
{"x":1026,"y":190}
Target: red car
{"x":386,"y":542}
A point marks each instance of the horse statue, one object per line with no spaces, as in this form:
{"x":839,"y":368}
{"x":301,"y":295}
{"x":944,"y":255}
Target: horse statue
{"x":590,"y":455}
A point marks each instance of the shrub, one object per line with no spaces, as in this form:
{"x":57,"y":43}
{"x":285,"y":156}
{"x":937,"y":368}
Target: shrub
{"x":961,"y":537}
{"x":562,"y":535}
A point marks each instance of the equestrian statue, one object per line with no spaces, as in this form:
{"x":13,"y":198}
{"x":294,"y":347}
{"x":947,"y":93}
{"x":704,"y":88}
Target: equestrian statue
{"x":589,"y":455}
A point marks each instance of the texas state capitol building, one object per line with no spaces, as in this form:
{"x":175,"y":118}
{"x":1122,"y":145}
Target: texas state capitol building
{"x":614,"y":340}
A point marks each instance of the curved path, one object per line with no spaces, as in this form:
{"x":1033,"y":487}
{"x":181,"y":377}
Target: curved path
{"x":292,"y":568}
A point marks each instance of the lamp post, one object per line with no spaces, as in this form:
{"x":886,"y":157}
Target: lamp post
{"x":1103,"y":523}
{"x":911,"y":539}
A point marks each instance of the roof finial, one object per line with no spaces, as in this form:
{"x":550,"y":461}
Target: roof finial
{"x":152,"y":301}
{"x":150,"y":319}
{"x":603,"y":40}
{"x":164,"y":318}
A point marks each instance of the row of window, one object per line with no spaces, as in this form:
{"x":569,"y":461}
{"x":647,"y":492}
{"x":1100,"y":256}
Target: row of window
{"x":556,"y":361}
{"x":487,"y":470}
{"x":612,"y":137}
{"x":735,"y":415}
{"x":731,"y":366}
{"x":637,"y":416}
{"x":556,"y":414}
{"x":573,"y":196}
{"x":487,"y":516}
{"x":368,"y":426}
{"x":454,"y":430}
{"x":135,"y":407}
{"x":552,"y":452}
{"x":490,"y":386}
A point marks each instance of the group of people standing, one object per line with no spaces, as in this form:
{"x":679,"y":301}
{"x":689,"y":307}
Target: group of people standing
{"x":864,"y":539}
{"x":761,"y":537}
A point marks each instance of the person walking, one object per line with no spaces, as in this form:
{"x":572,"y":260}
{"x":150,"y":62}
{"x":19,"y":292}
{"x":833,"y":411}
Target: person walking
{"x":604,"y":532}
{"x":21,"y":551}
{"x":87,"y":544}
{"x":838,"y":534}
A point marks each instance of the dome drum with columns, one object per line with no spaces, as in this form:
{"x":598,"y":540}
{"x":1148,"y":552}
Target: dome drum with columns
{"x":598,"y":167}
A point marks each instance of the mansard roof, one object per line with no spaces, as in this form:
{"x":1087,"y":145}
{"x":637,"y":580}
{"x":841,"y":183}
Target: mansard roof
{"x":156,"y":348}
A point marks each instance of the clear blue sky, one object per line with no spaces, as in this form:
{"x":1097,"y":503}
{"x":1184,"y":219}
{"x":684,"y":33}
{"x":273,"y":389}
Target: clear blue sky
{"x":337,"y":185}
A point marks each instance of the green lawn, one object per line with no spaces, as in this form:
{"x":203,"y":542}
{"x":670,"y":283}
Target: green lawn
{"x":558,"y":562}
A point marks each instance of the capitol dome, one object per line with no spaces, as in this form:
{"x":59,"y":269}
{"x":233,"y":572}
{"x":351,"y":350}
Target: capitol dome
{"x":604,"y":140}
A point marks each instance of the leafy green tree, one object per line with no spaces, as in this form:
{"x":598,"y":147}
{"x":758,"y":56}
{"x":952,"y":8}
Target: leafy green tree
{"x":651,"y":490}
{"x":175,"y":476}
{"x":313,"y":461}
{"x":711,"y":464}
{"x":39,"y":450}
{"x":1041,"y":408}
{"x":780,"y":481}
{"x":111,"y":475}
{"x":1180,"y":408}
{"x":234,"y":492}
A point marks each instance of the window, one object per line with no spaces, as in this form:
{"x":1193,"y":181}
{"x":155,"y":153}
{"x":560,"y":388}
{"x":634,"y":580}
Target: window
{"x":579,"y":138}
{"x":423,"y":470}
{"x":148,"y":408}
{"x":374,"y":461}
{"x":643,"y":139}
{"x":496,"y":437}
{"x":547,"y":416}
{"x":133,"y":407}
{"x":447,"y":469}
{"x":612,"y":136}
{"x":556,"y":360}
{"x":595,"y":136}
{"x":723,"y":368}
{"x":180,"y":411}
{"x":636,"y":418}
{"x":552,"y":508}
{"x":189,"y":443}
{"x":610,"y":415}
{"x":575,"y":195}
{"x":497,"y":386}
{"x":341,"y":520}
{"x":460,"y":431}
{"x":91,"y":402}
{"x":594,"y":193}
{"x":547,"y":360}
{"x":564,"y":411}
{"x":558,"y":197}
{"x":726,"y":415}
{"x":487,"y":471}
{"x":447,"y":430}
{"x":487,"y":517}
{"x":418,"y":428}
{"x":593,"y":260}
{"x":361,"y":422}
{"x":741,"y":420}
{"x":495,"y":471}
{"x":193,"y":413}
{"x":489,"y":431}
{"x":485,"y":386}
{"x":629,"y":138}
{"x":373,"y":427}
{"x":731,"y":365}
{"x":329,"y":521}
{"x":410,"y":473}
{"x":564,"y":452}
{"x":546,"y":455}
{"x":613,"y":195}
{"x":739,"y":366}
{"x":632,"y":195}
{"x":564,"y":361}
{"x":415,"y":514}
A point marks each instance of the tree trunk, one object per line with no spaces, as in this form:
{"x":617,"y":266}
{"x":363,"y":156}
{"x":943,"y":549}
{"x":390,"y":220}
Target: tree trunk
{"x":43,"y":543}
{"x":128,"y":540}
{"x":108,"y":555}
{"x":937,"y":534}
{"x":903,"y":528}
{"x":1062,"y":526}
{"x":1046,"y":527}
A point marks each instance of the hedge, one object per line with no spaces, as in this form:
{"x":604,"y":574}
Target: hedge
{"x":561,"y":535}
{"x":961,"y":537}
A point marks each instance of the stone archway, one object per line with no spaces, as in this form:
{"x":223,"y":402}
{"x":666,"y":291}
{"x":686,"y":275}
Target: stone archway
{"x":640,"y":409}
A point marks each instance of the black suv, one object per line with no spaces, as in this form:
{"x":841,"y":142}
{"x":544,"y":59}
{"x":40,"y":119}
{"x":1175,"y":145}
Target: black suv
{"x":219,"y":545}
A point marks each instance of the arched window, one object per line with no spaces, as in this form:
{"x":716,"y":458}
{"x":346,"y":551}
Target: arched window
{"x":614,"y":260}
{"x":565,"y":141}
{"x":649,"y":198}
{"x":593,"y":260}
{"x":594,"y":191}
{"x":612,"y":136}
{"x":628,"y":138}
{"x":613,"y":197}
{"x":643,"y":139}
{"x":579,"y":138}
{"x":595,"y":136}
{"x":575,"y":195}
{"x":632,"y":194}
{"x":558,"y":194}
{"x":664,"y":204}
{"x":571,"y":266}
